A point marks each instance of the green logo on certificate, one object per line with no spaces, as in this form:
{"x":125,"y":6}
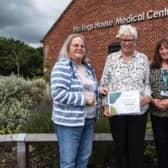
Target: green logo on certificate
{"x":127,"y":102}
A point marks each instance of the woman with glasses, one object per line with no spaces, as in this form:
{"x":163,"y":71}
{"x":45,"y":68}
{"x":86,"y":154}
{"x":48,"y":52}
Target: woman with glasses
{"x":74,"y":92}
{"x":159,"y":103}
{"x":127,"y":71}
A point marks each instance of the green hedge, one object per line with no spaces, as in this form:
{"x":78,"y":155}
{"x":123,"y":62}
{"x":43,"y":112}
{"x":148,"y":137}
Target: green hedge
{"x":19,"y":99}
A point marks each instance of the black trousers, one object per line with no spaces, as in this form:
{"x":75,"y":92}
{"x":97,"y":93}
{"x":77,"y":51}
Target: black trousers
{"x":160,"y":131}
{"x":128,"y":133}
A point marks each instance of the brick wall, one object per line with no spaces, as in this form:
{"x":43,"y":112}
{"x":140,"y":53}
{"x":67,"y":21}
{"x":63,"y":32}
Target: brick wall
{"x":90,"y":11}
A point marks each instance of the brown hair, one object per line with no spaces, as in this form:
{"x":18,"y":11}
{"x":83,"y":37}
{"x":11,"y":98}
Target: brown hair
{"x":157,"y":60}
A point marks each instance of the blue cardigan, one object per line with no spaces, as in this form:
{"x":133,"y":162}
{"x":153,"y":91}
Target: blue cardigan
{"x":68,"y":94}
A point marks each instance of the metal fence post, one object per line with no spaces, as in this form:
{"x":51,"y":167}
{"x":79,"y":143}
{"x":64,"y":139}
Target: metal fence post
{"x":21,"y":151}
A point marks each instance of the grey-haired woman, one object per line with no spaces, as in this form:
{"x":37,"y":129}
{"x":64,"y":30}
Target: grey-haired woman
{"x":128,"y":70}
{"x":74,"y":92}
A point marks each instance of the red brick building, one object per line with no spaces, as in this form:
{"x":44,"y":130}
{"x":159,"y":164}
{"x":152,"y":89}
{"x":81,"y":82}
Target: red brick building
{"x":99,"y":21}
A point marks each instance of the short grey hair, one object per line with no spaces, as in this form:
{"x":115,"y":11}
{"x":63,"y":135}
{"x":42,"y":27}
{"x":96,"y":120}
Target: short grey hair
{"x":127,"y":29}
{"x":65,"y":47}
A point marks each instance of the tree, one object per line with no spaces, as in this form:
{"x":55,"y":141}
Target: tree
{"x":18,"y":58}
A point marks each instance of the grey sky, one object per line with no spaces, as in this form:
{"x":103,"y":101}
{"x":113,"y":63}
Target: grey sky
{"x":29,"y":20}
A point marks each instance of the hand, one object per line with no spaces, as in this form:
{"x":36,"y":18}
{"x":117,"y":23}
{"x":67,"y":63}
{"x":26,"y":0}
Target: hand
{"x":145,"y":100}
{"x":106,"y":112}
{"x":155,"y":101}
{"x":163,"y":104}
{"x":160,"y":104}
{"x":103,"y":91}
{"x":90,"y":100}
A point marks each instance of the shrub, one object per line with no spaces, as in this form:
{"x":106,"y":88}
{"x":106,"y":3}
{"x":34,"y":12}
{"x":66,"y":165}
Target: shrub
{"x":18,"y":100}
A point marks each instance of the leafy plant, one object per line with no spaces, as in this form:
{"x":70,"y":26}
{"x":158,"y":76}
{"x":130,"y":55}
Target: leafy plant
{"x":19,"y":99}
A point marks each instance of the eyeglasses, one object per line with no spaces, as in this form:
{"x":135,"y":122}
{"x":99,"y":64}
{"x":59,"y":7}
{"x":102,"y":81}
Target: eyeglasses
{"x":127,"y":40}
{"x":78,"y":45}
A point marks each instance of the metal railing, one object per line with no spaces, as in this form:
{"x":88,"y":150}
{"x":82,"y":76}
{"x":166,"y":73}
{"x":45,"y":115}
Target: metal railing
{"x":23,"y":138}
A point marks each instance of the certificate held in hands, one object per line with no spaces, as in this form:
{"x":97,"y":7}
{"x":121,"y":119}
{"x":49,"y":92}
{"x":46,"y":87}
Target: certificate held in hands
{"x":125,"y":102}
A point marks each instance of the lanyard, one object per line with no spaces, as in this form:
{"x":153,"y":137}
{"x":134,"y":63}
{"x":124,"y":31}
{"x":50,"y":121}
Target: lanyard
{"x":164,"y":75}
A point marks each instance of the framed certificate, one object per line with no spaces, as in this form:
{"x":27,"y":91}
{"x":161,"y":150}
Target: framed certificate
{"x":125,"y":102}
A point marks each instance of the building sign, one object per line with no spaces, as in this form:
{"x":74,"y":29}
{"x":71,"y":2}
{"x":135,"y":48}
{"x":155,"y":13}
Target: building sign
{"x":149,"y":15}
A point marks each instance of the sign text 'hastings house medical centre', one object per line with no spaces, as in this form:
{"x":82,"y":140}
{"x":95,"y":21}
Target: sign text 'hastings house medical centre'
{"x":150,"y":14}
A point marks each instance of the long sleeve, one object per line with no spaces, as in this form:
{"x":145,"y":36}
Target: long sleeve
{"x":65,"y":89}
{"x":106,"y":78}
{"x":146,"y":80}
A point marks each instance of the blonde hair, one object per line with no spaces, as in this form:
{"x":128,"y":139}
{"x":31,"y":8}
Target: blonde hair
{"x":126,"y":30}
{"x":65,"y":47}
